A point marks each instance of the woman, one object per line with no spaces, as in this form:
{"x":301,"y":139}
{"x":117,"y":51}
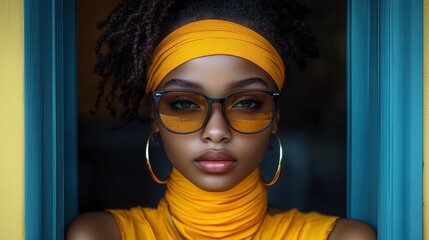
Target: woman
{"x":214,"y":71}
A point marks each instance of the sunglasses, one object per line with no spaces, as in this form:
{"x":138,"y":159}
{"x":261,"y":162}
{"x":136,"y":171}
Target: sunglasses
{"x":246,"y":111}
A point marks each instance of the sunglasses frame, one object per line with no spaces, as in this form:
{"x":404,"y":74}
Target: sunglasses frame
{"x":157,"y":95}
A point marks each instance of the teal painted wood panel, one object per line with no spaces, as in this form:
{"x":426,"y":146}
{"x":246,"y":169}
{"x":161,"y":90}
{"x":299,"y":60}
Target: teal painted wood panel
{"x":401,"y":102}
{"x":385,"y":75}
{"x":50,"y":117}
{"x":363,"y":110}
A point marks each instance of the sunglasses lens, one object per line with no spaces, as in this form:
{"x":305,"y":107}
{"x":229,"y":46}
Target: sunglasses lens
{"x":183,"y":112}
{"x":250,"y":111}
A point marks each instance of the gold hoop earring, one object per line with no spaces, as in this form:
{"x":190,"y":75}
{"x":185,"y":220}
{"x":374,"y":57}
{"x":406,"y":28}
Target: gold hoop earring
{"x":149,"y":167}
{"x":279,"y":166}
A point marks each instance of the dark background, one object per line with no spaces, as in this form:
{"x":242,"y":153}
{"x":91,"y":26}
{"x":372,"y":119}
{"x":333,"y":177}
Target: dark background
{"x":112,"y":169}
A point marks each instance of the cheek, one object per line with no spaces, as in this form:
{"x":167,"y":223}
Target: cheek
{"x":253,"y":147}
{"x":179,"y":147}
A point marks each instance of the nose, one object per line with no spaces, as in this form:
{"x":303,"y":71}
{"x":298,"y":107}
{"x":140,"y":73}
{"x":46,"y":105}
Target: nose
{"x":216,"y":129}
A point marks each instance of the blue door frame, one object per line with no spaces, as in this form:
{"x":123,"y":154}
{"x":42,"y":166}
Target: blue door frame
{"x":385,"y":115}
{"x":50,"y":117}
{"x":385,"y":84}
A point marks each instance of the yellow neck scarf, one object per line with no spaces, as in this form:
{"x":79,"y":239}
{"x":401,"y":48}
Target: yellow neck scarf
{"x":188,"y":212}
{"x":234,"y":214}
{"x":213,"y":37}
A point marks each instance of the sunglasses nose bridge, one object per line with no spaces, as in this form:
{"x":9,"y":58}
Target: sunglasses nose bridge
{"x":216,"y":100}
{"x":216,"y":126}
{"x":212,"y":101}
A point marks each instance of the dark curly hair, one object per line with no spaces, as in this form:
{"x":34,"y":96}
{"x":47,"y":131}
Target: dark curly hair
{"x":134,"y":28}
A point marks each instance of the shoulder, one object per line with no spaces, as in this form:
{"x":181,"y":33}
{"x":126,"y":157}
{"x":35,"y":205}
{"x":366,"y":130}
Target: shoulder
{"x":93,"y":226}
{"x":347,"y":229}
{"x":344,"y":229}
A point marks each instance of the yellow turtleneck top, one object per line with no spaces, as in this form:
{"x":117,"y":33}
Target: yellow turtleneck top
{"x":188,"y":212}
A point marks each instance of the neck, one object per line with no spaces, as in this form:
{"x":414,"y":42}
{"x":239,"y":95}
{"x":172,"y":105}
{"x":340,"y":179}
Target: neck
{"x":235,"y":213}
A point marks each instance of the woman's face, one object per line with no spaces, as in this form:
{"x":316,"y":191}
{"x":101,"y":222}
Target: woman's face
{"x":216,"y":157}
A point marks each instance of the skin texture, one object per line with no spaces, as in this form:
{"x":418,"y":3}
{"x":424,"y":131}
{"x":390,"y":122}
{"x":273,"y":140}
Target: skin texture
{"x":214,"y":76}
{"x":93,"y":226}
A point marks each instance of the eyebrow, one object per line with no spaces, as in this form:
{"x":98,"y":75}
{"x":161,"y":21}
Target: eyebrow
{"x":183,"y":83}
{"x":237,"y":84}
{"x":248,"y":81}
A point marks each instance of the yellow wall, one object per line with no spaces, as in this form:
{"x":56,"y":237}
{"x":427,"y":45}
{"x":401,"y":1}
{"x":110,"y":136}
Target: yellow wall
{"x":426,"y":121}
{"x":11,"y":120}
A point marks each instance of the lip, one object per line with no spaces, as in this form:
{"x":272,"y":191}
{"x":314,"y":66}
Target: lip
{"x":215,"y":162}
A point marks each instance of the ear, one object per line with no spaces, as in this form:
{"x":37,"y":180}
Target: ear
{"x":153,"y":118}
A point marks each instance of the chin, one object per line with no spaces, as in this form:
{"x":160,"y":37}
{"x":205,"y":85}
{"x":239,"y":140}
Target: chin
{"x":216,"y":183}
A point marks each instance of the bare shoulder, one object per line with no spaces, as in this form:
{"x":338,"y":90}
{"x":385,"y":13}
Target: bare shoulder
{"x":93,"y":226}
{"x":347,"y":229}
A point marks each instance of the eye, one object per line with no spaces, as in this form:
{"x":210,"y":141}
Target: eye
{"x":246,"y":104}
{"x":183,"y":104}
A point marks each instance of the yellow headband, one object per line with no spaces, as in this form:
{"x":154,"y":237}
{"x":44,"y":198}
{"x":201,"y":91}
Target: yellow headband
{"x":213,"y":37}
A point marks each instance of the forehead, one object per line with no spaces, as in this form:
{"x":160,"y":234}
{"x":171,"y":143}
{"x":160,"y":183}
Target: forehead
{"x":218,"y":74}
